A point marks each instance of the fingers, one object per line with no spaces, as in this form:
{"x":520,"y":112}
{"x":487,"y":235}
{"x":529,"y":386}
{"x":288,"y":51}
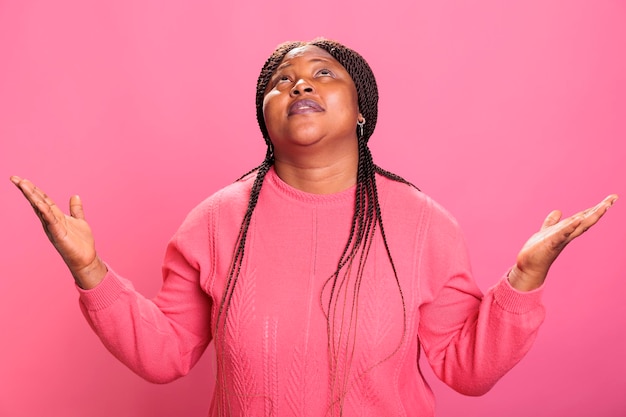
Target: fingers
{"x":76,"y":208}
{"x":552,"y":219}
{"x":558,"y":232}
{"x":43,"y":205}
{"x":37,"y":198}
{"x":591,"y":216}
{"x":584,"y":220}
{"x":29,"y":190}
{"x":45,"y":208}
{"x":603,"y":205}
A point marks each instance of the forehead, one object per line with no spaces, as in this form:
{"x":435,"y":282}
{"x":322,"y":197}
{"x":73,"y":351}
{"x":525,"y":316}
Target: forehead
{"x":310,"y":52}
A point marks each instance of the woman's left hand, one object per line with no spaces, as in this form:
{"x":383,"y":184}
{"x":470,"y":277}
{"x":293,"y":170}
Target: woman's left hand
{"x":536,"y":256}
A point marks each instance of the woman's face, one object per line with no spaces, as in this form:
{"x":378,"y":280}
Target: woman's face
{"x":310,"y":101}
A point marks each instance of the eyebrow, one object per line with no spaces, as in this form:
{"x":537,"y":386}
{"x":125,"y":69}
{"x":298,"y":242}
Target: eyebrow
{"x":288,"y":64}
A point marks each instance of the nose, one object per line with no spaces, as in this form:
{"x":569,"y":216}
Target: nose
{"x":300,"y":87}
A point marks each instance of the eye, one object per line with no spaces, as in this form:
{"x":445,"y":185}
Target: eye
{"x":281,"y":79}
{"x":324,"y":72}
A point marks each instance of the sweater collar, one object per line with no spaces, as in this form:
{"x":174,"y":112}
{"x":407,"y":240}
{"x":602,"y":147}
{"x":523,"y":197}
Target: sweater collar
{"x":345,"y":196}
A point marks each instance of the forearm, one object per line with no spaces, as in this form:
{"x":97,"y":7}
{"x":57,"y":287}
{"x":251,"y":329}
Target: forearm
{"x":159,"y":343}
{"x":496,"y":334}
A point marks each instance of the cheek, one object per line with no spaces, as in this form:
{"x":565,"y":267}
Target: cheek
{"x":270,"y":108}
{"x":346,"y":102}
{"x":265,"y":105}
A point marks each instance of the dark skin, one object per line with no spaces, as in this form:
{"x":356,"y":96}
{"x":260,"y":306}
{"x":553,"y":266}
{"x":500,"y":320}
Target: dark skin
{"x":311,"y":111}
{"x":315,"y":148}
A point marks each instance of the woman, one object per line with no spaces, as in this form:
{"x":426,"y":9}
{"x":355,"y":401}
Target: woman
{"x":319,"y":276}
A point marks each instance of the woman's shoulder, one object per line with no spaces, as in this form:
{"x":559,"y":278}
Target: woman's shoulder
{"x":406,"y":200}
{"x":233,"y":198}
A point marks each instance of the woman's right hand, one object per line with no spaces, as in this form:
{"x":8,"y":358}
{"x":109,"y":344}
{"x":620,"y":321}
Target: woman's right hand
{"x":70,"y":235}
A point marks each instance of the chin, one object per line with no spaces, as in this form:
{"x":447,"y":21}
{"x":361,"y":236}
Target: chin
{"x":304,"y":142}
{"x":303,"y":137}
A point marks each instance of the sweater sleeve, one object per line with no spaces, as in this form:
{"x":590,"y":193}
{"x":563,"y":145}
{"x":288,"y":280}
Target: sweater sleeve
{"x":162,"y":338}
{"x":472,"y":340}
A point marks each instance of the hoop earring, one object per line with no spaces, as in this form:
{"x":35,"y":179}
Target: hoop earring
{"x":360,"y":124}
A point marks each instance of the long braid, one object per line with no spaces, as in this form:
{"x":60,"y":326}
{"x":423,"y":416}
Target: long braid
{"x":232,"y":279}
{"x":366,"y":219}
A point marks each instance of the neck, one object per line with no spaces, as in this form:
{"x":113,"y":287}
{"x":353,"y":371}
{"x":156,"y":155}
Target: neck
{"x":318,"y":177}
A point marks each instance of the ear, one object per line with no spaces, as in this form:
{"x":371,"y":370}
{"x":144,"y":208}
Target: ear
{"x":360,"y":118}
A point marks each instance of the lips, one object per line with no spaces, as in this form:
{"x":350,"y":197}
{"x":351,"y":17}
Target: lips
{"x":304,"y":106}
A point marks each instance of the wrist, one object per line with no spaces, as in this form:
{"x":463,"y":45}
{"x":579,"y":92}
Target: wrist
{"x":524,"y":281}
{"x":91,"y":275}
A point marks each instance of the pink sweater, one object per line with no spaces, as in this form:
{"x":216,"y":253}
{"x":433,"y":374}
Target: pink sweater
{"x":276,"y":358}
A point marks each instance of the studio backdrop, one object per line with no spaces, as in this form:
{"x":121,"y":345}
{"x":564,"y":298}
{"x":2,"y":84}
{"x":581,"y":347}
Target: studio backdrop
{"x":501,"y":111}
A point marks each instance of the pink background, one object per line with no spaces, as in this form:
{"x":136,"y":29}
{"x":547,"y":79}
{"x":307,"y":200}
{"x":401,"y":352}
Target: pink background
{"x":502,"y":111}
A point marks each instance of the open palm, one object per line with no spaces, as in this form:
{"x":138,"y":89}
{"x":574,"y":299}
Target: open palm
{"x":70,"y":234}
{"x":541,"y":250}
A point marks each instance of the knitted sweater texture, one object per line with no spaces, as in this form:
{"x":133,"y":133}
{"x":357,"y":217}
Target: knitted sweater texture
{"x":274,"y":357}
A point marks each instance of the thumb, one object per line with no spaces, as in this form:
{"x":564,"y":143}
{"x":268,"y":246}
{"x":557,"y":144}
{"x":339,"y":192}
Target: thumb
{"x":76,"y":208}
{"x":552,"y":219}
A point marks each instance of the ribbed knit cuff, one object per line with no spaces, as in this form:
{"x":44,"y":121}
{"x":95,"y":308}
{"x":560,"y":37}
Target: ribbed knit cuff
{"x":103,"y":294}
{"x":515,"y":301}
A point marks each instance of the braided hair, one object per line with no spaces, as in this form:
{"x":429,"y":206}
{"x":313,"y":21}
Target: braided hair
{"x":366,"y":219}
